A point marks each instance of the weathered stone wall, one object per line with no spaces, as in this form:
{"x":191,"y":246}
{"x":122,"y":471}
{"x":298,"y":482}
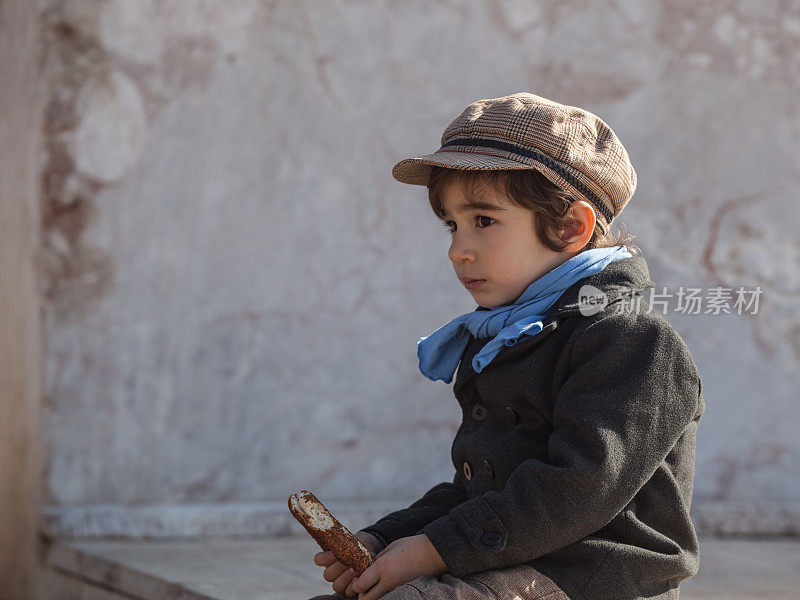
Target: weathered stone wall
{"x":235,"y":284}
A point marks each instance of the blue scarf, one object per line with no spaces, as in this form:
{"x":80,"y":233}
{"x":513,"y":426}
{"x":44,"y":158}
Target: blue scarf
{"x":440,"y":352}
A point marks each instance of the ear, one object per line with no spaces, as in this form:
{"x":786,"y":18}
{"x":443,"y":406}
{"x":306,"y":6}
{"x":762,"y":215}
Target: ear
{"x":578,"y":230}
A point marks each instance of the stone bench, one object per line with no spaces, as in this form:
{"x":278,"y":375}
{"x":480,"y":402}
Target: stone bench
{"x":282,"y":568}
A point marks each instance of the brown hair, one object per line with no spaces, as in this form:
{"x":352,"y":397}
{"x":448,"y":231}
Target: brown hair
{"x":527,"y":188}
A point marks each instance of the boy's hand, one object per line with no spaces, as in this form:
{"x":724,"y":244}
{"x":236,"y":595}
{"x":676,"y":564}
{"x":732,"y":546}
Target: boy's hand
{"x":339,"y":574}
{"x":400,"y":562}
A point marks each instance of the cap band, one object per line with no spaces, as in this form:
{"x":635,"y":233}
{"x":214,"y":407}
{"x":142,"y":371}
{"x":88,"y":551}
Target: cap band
{"x":542,"y":158}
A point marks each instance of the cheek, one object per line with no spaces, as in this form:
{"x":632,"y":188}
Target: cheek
{"x":526,"y":264}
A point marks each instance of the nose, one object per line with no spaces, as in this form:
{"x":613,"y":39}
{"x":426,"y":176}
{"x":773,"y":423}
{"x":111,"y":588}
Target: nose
{"x":460,"y":249}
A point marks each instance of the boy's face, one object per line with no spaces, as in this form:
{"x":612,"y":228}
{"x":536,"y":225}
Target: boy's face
{"x":495,"y":242}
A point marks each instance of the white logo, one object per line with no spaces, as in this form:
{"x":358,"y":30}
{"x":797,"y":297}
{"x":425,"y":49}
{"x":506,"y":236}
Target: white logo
{"x":591,"y":300}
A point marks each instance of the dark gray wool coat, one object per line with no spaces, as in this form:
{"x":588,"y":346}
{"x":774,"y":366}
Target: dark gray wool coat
{"x":575,"y":453}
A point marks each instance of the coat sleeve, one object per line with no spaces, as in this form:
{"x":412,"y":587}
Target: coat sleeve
{"x":630,"y":389}
{"x":406,"y":522}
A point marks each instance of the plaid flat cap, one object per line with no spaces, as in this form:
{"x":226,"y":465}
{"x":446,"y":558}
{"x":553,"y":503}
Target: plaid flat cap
{"x":573,"y":148}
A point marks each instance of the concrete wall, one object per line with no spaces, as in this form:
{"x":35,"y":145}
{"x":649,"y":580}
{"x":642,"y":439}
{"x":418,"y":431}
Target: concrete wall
{"x":235,"y":284}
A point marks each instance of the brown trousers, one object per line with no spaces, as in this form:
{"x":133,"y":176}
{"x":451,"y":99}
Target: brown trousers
{"x":521,"y":582}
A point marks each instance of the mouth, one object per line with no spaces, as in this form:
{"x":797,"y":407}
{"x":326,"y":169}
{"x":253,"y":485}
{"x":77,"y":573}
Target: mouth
{"x":471,"y":283}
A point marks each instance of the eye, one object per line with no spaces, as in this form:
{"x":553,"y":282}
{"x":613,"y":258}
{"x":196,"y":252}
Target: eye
{"x":478,"y":219}
{"x":450,"y":228}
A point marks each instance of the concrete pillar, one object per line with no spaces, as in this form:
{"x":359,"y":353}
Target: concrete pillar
{"x":21,"y":346}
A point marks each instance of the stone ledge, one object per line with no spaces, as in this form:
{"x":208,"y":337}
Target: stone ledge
{"x":273,"y":518}
{"x":732,"y":518}
{"x":283,"y":569}
{"x":212,"y":569}
{"x":198,"y":520}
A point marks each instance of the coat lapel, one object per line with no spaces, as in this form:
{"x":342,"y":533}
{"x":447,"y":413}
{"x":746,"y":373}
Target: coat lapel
{"x":465,"y":370}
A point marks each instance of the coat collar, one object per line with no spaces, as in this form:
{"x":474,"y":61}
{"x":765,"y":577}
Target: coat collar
{"x":616,"y":280}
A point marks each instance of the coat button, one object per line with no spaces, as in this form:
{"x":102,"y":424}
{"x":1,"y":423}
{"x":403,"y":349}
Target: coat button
{"x":513,"y":414}
{"x":467,"y":471}
{"x":479,"y":412}
{"x":491,"y":538}
{"x":489,"y":468}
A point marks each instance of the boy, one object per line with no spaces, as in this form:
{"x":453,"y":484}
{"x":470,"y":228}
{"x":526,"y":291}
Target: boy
{"x":575,"y":456}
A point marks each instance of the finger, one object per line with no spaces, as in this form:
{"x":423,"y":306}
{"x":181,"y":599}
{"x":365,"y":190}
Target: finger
{"x":349,"y":591}
{"x":332,"y":572}
{"x":323,"y":559}
{"x":343,"y":580}
{"x":366,"y":580}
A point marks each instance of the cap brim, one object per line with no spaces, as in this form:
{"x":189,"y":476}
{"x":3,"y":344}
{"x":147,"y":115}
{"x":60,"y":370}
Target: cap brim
{"x":417,"y":170}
